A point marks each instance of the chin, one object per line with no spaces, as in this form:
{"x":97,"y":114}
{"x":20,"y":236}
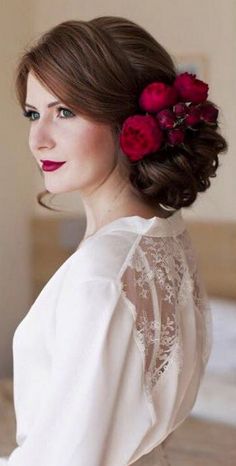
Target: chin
{"x":59,"y":188}
{"x":55,"y":189}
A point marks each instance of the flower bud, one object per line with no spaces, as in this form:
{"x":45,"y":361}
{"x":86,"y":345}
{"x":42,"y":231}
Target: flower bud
{"x":209,"y":113}
{"x":166,"y":119}
{"x":180,"y":109}
{"x":193,"y":117}
{"x":175,"y":136}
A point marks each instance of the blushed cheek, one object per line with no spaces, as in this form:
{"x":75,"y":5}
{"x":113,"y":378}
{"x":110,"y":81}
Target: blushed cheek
{"x":88,"y":144}
{"x":101,"y":140}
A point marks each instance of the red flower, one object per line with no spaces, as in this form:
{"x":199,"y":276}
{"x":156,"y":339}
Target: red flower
{"x":193,"y":116}
{"x":190,"y":89}
{"x":140,"y":136}
{"x":166,"y":118}
{"x":175,"y":136}
{"x":209,"y":113}
{"x":180,"y":109}
{"x":156,"y":96}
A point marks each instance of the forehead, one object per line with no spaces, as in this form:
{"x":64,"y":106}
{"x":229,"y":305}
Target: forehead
{"x":35,"y":90}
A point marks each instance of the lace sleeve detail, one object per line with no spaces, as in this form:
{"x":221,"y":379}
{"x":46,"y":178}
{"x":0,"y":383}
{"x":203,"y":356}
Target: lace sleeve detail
{"x":161,"y":278}
{"x":200,"y":297}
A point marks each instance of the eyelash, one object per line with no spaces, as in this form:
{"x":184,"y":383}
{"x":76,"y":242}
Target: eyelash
{"x":28,"y":113}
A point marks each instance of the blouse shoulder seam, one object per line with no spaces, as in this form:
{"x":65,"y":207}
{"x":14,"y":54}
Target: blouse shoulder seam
{"x":130,"y":252}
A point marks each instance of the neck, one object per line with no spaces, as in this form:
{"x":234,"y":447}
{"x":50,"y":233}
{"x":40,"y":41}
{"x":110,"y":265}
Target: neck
{"x":115,"y":197}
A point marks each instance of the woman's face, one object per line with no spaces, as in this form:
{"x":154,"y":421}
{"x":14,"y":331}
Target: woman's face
{"x":88,"y":148}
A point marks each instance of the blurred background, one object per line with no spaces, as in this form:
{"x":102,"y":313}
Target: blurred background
{"x":34,"y":242}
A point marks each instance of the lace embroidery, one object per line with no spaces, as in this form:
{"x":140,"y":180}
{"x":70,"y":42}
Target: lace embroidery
{"x":161,"y":275}
{"x":200,"y":297}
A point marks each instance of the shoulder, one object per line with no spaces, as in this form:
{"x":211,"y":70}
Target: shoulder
{"x":103,"y":256}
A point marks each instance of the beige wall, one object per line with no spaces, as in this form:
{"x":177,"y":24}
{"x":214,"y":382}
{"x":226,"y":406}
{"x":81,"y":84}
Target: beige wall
{"x":16,"y":182}
{"x":184,"y":26}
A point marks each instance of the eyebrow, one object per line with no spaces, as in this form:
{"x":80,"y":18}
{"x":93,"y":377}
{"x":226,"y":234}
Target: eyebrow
{"x":49,"y":105}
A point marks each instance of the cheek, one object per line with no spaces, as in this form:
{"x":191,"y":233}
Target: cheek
{"x":93,"y":155}
{"x":102,"y":142}
{"x":94,"y":144}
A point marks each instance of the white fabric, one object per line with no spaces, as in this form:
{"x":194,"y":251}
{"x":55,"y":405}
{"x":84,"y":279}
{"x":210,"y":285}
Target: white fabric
{"x":109,"y":358}
{"x":3,"y":461}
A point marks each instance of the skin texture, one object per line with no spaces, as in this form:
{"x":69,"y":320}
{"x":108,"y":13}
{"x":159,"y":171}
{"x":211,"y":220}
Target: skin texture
{"x":92,"y":160}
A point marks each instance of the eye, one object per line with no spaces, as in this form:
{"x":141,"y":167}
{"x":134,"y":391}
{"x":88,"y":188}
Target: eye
{"x":30,"y":113}
{"x":66,"y":110}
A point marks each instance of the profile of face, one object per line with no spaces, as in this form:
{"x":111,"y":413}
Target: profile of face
{"x":58,"y":134}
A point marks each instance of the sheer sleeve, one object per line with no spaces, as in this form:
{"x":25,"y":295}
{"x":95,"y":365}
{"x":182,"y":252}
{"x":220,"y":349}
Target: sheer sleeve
{"x":173,"y":327}
{"x":94,"y":412}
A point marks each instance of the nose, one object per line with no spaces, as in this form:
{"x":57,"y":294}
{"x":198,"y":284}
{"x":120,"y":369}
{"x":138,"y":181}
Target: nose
{"x":41,"y":137}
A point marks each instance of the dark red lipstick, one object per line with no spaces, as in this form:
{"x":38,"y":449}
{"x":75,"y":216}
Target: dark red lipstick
{"x":49,"y":165}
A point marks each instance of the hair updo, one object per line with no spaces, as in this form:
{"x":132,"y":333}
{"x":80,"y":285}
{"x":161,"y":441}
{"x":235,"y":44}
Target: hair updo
{"x":99,"y":68}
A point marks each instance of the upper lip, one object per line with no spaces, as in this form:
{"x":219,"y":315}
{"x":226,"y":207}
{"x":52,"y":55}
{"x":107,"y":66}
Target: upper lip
{"x":51,"y":161}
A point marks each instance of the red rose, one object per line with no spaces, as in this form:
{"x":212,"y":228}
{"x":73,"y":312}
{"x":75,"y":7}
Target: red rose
{"x":157,"y":96}
{"x":175,"y":136}
{"x":166,"y":119}
{"x":140,"y":136}
{"x":209,"y":113}
{"x":193,"y":116}
{"x":190,"y":89}
{"x":180,"y":109}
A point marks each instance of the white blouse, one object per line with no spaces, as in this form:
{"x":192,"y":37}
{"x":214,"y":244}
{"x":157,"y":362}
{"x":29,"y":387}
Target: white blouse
{"x":109,"y":359}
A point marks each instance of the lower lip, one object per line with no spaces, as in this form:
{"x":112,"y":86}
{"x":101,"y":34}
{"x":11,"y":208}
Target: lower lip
{"x":49,"y":167}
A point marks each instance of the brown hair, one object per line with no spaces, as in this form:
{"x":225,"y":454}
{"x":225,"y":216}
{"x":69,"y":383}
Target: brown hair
{"x":99,"y":68}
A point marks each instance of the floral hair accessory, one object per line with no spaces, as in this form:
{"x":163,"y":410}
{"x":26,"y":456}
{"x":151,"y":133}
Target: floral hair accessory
{"x":169,"y":112}
{"x":141,"y":135}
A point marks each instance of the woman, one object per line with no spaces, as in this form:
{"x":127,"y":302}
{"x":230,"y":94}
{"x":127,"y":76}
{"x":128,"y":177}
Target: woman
{"x":109,"y":359}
